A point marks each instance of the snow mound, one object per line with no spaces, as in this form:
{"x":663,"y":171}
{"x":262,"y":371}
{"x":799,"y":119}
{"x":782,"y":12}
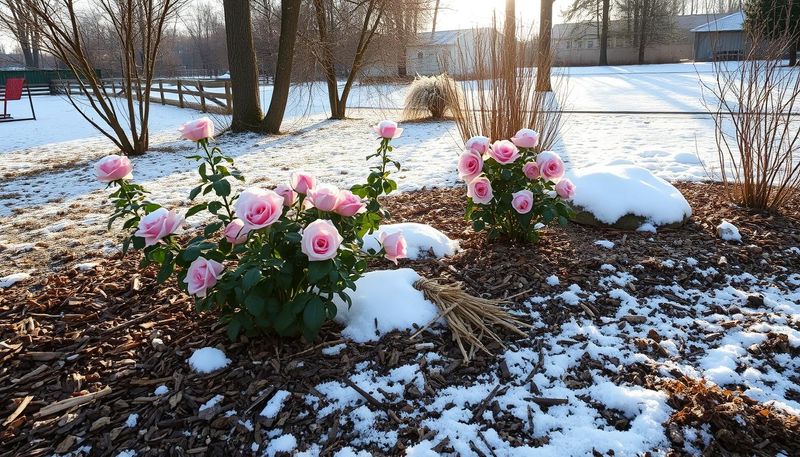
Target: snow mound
{"x":605,"y":243}
{"x":274,"y":405}
{"x":10,"y":280}
{"x":729,"y":232}
{"x":421,"y":239}
{"x":387,"y":297}
{"x":620,"y":188}
{"x":207,"y":360}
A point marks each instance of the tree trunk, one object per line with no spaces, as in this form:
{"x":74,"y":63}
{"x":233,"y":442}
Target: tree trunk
{"x":643,"y":30}
{"x":435,"y":16}
{"x":604,"y":33}
{"x":545,"y":57}
{"x":242,"y":66}
{"x":290,"y":12}
{"x":793,"y":52}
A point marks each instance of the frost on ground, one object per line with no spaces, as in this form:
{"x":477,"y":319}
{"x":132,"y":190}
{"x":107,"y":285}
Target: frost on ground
{"x":715,"y":333}
{"x":208,"y":360}
{"x":423,"y":240}
{"x":384,"y":300}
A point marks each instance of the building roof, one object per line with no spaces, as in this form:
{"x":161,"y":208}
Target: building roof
{"x":731,"y":23}
{"x":444,"y":37}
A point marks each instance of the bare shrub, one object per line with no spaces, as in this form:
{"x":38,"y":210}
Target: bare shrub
{"x":431,"y":95}
{"x":756,"y":113}
{"x":500,"y":98}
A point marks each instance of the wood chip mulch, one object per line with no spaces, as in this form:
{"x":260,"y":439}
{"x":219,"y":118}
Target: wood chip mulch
{"x":81,"y":351}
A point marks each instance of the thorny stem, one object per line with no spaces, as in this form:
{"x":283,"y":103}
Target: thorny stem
{"x":210,"y":162}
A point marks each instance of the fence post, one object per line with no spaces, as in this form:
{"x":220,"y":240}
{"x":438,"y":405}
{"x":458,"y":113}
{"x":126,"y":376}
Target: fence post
{"x":228,"y":98}
{"x":202,"y":95}
{"x":180,"y":94}
{"x":161,"y":90}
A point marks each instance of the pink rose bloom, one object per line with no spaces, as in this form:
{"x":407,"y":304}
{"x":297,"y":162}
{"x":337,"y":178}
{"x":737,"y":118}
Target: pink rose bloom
{"x":158,"y":224}
{"x":202,"y":275}
{"x":504,"y":152}
{"x":395,"y":246}
{"x":387,"y":129}
{"x":320,"y":240}
{"x":349,"y":204}
{"x":198,"y":129}
{"x":526,"y":138}
{"x":550,"y":165}
{"x":478,"y":143}
{"x":565,"y":189}
{"x":287,"y":193}
{"x":303,"y":182}
{"x":112,"y":168}
{"x":522,"y":201}
{"x":531,"y":170}
{"x":324,"y":197}
{"x":258,"y":208}
{"x":235,"y":232}
{"x":470,"y":165}
{"x":480,"y":190}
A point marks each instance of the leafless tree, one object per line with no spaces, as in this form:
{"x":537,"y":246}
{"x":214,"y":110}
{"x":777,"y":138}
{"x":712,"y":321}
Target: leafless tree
{"x":19,"y":22}
{"x":206,"y":31}
{"x":290,"y":14}
{"x":333,"y":17}
{"x":138,"y":27}
{"x":544,"y":57}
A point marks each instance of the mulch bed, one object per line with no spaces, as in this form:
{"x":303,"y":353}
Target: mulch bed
{"x":82,"y":350}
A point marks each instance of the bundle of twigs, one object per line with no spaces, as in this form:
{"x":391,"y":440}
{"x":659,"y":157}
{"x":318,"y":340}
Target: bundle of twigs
{"x":469,"y":318}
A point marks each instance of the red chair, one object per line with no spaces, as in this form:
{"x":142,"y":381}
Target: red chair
{"x":13,"y":92}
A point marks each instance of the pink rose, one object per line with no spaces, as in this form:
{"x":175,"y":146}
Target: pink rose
{"x":550,"y":165}
{"x":526,"y":138}
{"x":470,"y":165}
{"x":258,"y":208}
{"x":320,"y":240}
{"x":235,"y":232}
{"x":522,"y":201}
{"x":112,"y":168}
{"x":395,"y":246}
{"x":565,"y":189}
{"x":202,"y":275}
{"x":287,"y":193}
{"x":504,"y":152}
{"x":324,"y":197}
{"x":198,"y":129}
{"x":157,"y":225}
{"x":478,"y":143}
{"x":387,"y":129}
{"x":531,"y":170}
{"x":303,"y":182}
{"x":349,"y":204}
{"x":480,"y":190}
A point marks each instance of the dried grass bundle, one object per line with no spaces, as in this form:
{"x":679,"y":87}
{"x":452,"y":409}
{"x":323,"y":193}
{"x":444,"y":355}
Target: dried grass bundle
{"x":469,"y":318}
{"x":500,"y":95}
{"x":431,"y":95}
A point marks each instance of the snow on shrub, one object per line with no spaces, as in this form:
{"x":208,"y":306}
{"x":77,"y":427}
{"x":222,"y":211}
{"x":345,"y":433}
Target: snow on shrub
{"x":511,"y":188}
{"x":431,"y":94}
{"x":270,"y":259}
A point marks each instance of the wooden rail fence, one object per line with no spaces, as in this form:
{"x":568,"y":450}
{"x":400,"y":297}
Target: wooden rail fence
{"x":183,"y":93}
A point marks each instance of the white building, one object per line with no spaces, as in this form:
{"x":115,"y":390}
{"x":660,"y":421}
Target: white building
{"x":448,"y":51}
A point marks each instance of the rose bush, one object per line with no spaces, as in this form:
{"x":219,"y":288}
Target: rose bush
{"x":268,"y":259}
{"x":512,"y":187}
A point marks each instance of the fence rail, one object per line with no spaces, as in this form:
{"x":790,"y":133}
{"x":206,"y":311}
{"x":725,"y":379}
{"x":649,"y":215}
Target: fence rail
{"x":208,"y":96}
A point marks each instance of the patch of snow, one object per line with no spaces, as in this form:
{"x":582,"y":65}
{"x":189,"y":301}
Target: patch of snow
{"x":729,"y":232}
{"x":132,"y":420}
{"x":619,"y":188}
{"x":647,"y":227}
{"x":127,"y":453}
{"x":421,"y":239}
{"x":274,"y":405}
{"x":387,"y":297}
{"x":552,"y":280}
{"x":283,"y":443}
{"x":10,"y":280}
{"x":212,"y":402}
{"x":605,"y":243}
{"x":334,"y":350}
{"x":86,"y":266}
{"x":161,"y":390}
{"x":208,"y":360}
